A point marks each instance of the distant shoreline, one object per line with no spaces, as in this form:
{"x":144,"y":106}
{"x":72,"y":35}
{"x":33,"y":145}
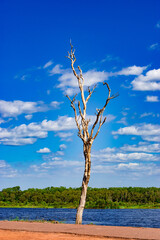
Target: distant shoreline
{"x":50,"y":207}
{"x":97,"y":198}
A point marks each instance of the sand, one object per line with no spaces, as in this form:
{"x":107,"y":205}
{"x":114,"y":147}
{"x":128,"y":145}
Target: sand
{"x":12,"y":230}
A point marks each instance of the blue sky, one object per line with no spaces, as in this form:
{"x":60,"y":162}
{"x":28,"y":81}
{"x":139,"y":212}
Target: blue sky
{"x":115,"y":41}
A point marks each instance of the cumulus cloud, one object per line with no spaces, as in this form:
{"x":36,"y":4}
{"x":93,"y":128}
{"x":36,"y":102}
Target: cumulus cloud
{"x":28,"y":134}
{"x":17,"y":107}
{"x":128,"y":165}
{"x":17,"y":141}
{"x":67,"y":80}
{"x":125,"y":157}
{"x":148,"y":132}
{"x":142,"y":147}
{"x":68,"y":83}
{"x":148,"y":82}
{"x":44,"y":150}
{"x":152,"y":99}
{"x":132,"y":70}
{"x":128,"y":169}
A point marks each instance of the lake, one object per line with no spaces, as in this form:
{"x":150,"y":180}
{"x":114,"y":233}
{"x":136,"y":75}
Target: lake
{"x":109,"y":217}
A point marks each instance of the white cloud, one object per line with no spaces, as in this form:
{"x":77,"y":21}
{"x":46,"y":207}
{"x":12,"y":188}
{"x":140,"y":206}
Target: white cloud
{"x":152,"y":99}
{"x":68,"y":82}
{"x":148,"y":82}
{"x":57,"y":69}
{"x":48,"y":64}
{"x":129,"y":169}
{"x":62,"y":146}
{"x":48,"y":92}
{"x":123,"y":121}
{"x":44,"y":150}
{"x":91,"y":77}
{"x":124,"y":157}
{"x":128,"y":165}
{"x":2,"y":120}
{"x":65,"y":136}
{"x":147,"y":114}
{"x":149,"y":132}
{"x":132,"y":70}
{"x":17,"y":107}
{"x":56,"y":164}
{"x":17,"y":141}
{"x":142,"y":147}
{"x":28,"y":117}
{"x":6,"y":170}
{"x":154,"y":46}
{"x":28,"y":134}
{"x":110,"y":58}
{"x":55,"y":104}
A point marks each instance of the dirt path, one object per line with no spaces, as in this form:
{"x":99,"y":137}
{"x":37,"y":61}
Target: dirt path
{"x":48,"y":231}
{"x":23,"y":235}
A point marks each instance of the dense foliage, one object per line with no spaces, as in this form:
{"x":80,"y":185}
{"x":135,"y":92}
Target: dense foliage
{"x":59,"y":197}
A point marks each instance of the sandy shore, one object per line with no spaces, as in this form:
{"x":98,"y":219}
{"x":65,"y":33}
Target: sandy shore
{"x":48,"y":231}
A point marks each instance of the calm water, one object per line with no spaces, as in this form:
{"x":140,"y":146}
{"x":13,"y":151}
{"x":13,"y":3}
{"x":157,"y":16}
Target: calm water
{"x":110,"y":217}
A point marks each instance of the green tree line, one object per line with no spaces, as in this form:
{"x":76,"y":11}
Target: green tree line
{"x":98,"y":198}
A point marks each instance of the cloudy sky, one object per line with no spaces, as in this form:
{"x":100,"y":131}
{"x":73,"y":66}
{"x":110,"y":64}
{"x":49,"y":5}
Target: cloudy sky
{"x":115,"y":41}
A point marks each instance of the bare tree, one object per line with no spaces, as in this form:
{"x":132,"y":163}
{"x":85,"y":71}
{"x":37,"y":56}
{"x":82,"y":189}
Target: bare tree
{"x":83,"y":127}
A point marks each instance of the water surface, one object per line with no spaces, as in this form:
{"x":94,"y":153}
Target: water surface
{"x":109,"y":217}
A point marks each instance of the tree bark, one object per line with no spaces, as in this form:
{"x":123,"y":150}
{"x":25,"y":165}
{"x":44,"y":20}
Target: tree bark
{"x":85,"y":181}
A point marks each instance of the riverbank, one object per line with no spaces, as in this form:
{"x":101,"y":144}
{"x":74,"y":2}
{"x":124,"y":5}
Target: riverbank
{"x":47,"y":231}
{"x":144,"y":206}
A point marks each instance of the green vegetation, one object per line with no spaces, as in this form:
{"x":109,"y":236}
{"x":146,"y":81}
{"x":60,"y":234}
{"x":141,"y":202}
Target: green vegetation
{"x":98,"y":198}
{"x":27,"y":220}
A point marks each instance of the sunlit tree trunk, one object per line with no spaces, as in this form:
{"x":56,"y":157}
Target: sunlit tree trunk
{"x":85,"y":181}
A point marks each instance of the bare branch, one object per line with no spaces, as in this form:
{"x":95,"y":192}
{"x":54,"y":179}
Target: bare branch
{"x":100,"y":112}
{"x":80,"y":78}
{"x":100,"y":125}
{"x":80,"y":111}
{"x":90,"y":92}
{"x":76,"y":119}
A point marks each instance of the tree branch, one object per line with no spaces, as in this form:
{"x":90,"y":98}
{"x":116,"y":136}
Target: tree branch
{"x":76,"y":119}
{"x":90,"y":92}
{"x":80,"y":78}
{"x":100,"y":112}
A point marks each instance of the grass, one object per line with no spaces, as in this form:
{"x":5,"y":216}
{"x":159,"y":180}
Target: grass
{"x":39,"y":220}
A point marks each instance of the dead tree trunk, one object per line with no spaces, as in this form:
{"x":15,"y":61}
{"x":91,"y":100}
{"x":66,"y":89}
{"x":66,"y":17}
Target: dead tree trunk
{"x":85,"y":181}
{"x":83,"y":129}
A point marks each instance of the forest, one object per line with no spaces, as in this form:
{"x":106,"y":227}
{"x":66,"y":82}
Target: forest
{"x":97,"y":198}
